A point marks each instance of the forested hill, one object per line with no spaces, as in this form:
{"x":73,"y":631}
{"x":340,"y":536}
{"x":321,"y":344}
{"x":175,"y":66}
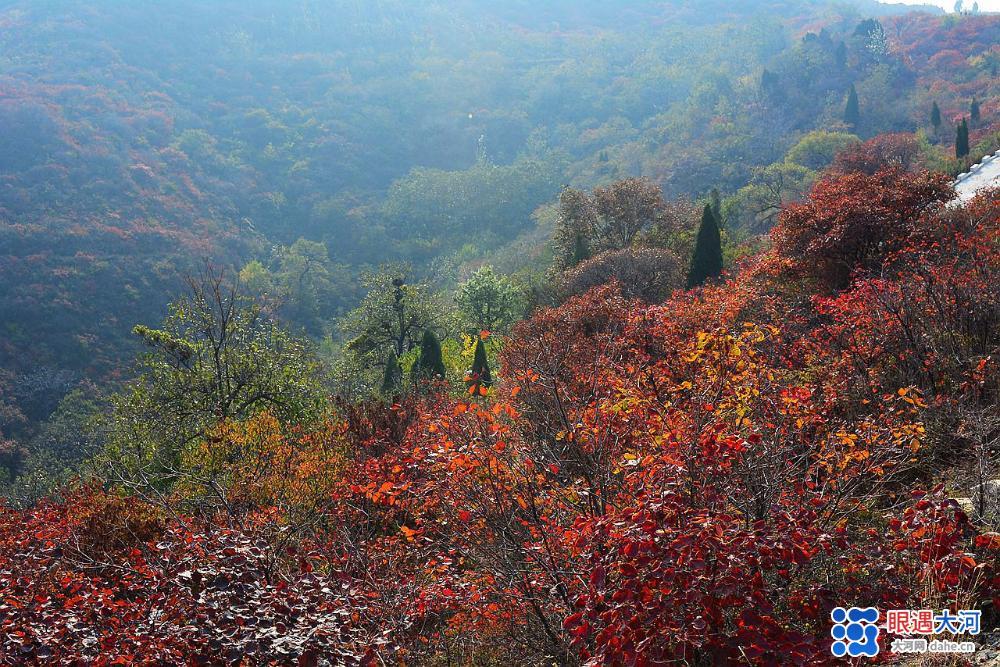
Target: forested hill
{"x":482,"y":332}
{"x":139,"y":139}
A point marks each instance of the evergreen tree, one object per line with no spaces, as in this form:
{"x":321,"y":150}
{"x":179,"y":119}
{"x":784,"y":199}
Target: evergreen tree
{"x":480,"y":377}
{"x":770,"y":86}
{"x":962,"y":140}
{"x":852,"y":111}
{"x":715,"y":199}
{"x":393,"y":376}
{"x":936,"y":117}
{"x":974,"y":111}
{"x":841,"y":55}
{"x":430,"y":364}
{"x":707,"y":260}
{"x":574,"y":228}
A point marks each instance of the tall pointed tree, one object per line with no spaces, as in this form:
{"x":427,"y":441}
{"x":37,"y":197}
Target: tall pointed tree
{"x":707,"y":260}
{"x":392,"y":377}
{"x":962,"y":140}
{"x":841,"y":55}
{"x":974,"y":111}
{"x":430,"y":364}
{"x":715,"y":200}
{"x":852,"y":111}
{"x":480,"y":377}
{"x":936,"y":117}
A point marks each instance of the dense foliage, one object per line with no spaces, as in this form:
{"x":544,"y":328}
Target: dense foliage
{"x":699,"y":480}
{"x":555,"y":333}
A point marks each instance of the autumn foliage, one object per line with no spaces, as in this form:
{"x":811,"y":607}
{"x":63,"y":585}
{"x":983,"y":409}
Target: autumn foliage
{"x":698,"y":481}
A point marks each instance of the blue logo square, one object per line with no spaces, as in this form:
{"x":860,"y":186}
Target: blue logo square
{"x":854,"y":632}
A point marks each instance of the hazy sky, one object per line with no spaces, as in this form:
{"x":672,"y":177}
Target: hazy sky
{"x":985,"y":5}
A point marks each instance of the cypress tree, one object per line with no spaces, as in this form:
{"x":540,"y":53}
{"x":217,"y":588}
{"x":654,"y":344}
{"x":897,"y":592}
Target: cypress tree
{"x":707,"y":260}
{"x":936,"y":117}
{"x":392,"y":378}
{"x":715,"y":199}
{"x":974,"y":111}
{"x":581,"y":249}
{"x":852,"y":111}
{"x":480,"y":377}
{"x":430,"y":364}
{"x":962,"y":140}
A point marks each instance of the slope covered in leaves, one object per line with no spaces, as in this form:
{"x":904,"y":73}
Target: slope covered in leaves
{"x":695,"y":481}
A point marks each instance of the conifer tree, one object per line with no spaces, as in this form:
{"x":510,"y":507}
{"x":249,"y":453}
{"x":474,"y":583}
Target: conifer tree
{"x":430,"y":364}
{"x":707,"y":260}
{"x":962,"y":140}
{"x":392,"y":378}
{"x":852,"y":111}
{"x":841,"y":55}
{"x":480,"y":377}
{"x":715,"y":199}
{"x":936,"y":117}
{"x":974,"y":111}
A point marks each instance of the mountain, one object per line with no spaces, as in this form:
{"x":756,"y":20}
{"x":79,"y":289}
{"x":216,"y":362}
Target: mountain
{"x":140,"y":140}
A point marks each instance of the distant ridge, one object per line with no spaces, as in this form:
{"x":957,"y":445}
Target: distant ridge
{"x":898,"y":7}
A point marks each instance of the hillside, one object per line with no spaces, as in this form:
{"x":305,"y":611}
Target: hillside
{"x":380,"y":332}
{"x":699,"y":480}
{"x":139,"y":142}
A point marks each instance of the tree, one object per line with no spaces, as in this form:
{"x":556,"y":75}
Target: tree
{"x":391,"y":317}
{"x":817,"y":149}
{"x":898,"y":151}
{"x":623,"y":210}
{"x":480,"y":379}
{"x":770,"y":86}
{"x":974,"y":112}
{"x":707,"y":260}
{"x":936,"y":117}
{"x":302,"y":285}
{"x":851,"y":222}
{"x":392,"y":378}
{"x":840,"y":55}
{"x":715,"y":201}
{"x":870,"y":39}
{"x":488,"y":301}
{"x":610,"y":218}
{"x":573,"y":228}
{"x":649,"y":274}
{"x":852,"y":110}
{"x":430,"y":364}
{"x":962,"y":140}
{"x":755,"y":207}
{"x":217,"y":357}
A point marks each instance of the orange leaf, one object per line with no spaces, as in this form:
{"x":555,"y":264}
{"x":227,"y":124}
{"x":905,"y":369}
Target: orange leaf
{"x":988,"y":541}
